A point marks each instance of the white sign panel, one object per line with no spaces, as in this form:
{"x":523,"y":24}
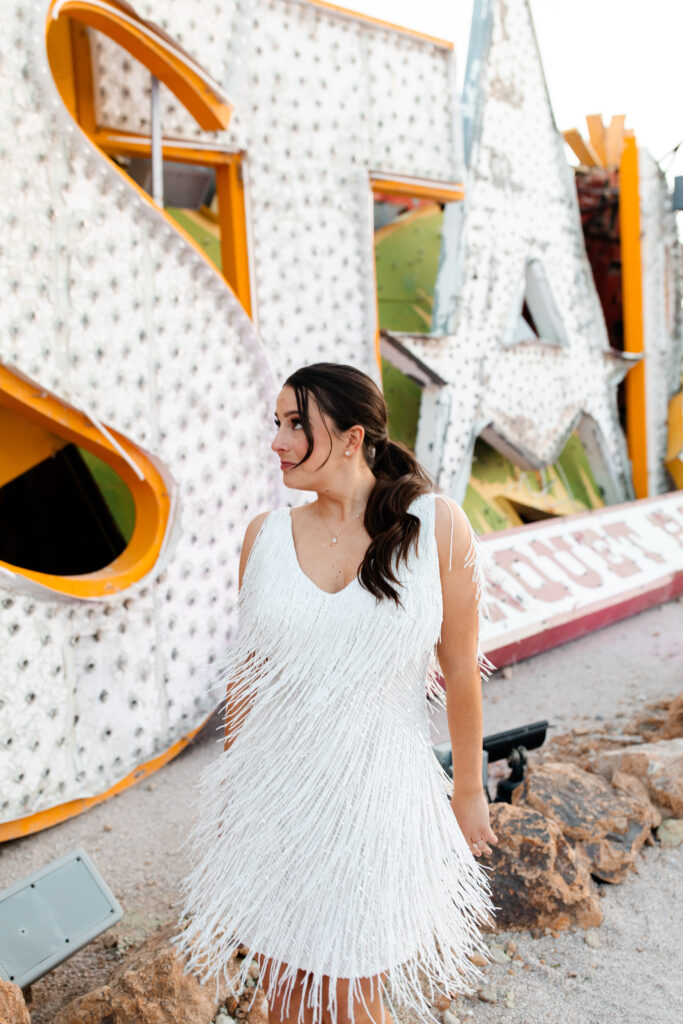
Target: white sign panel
{"x":562,"y":577}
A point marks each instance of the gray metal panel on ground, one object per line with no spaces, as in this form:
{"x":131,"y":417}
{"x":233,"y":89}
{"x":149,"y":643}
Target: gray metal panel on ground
{"x":49,"y":915}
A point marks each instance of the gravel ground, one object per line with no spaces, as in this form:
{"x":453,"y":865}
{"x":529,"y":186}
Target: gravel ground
{"x":635,"y":974}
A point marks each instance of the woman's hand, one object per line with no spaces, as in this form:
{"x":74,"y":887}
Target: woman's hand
{"x":472,"y":813}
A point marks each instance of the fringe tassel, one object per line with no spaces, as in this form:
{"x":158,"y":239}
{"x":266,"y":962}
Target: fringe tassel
{"x":325,"y":839}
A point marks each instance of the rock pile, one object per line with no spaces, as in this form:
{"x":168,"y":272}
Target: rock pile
{"x":591,"y":799}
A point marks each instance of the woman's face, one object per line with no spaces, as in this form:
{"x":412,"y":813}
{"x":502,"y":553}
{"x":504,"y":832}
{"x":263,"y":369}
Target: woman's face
{"x":290,"y":442}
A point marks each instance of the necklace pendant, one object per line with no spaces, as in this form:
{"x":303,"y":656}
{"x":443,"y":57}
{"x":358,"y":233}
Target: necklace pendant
{"x":334,"y":540}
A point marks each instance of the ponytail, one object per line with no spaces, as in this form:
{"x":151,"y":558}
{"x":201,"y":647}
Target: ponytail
{"x":400,"y":479}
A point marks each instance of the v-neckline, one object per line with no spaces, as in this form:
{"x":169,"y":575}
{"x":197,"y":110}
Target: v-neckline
{"x":327,"y":593}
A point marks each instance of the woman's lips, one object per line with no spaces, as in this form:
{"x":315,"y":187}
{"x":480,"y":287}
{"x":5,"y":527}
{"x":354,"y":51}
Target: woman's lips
{"x":286,"y":465}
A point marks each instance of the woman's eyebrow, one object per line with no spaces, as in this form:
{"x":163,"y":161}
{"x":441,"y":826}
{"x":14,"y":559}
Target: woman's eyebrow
{"x":294,"y":412}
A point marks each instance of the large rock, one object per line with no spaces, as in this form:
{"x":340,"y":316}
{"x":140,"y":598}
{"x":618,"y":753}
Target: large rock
{"x":537,"y":881}
{"x":606,"y":828}
{"x":12,"y":1006}
{"x":660,"y":720}
{"x":149,"y":987}
{"x":636,"y":789}
{"x":673,"y":727}
{"x":658,"y":765}
{"x":580,"y":745}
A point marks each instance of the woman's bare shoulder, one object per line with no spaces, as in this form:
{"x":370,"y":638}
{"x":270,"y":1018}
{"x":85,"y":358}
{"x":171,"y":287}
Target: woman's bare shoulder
{"x":256,"y":523}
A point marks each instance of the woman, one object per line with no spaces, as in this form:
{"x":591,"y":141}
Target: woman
{"x":327,"y":844}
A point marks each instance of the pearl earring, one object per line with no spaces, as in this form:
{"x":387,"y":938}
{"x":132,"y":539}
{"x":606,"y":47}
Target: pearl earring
{"x":346,"y":453}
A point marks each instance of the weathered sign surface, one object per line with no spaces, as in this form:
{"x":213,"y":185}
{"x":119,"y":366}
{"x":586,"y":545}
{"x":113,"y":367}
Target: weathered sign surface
{"x":557,"y":579}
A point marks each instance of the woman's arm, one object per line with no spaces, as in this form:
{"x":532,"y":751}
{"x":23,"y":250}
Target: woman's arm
{"x":457,"y":654}
{"x":235,"y":710}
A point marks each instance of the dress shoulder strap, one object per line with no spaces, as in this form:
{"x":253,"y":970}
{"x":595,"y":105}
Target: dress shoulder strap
{"x":259,"y":540}
{"x":477,"y":555}
{"x":450,"y":509}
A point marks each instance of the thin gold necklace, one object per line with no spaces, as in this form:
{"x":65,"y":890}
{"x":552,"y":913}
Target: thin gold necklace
{"x":335,"y":537}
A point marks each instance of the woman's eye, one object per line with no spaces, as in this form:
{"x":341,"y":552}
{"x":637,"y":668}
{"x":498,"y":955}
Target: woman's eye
{"x":296,"y":423}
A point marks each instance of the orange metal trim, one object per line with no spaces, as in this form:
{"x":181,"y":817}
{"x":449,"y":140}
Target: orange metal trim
{"x":632,"y":302}
{"x":233,"y":225}
{"x":674,"y":450}
{"x":614,"y":139}
{"x":167,"y":66}
{"x":62,"y":62}
{"x":114,"y":142}
{"x":30,"y":444}
{"x":152,"y":502}
{"x":62,"y":812}
{"x":440,"y":193}
{"x":597,"y":136}
{"x":582,"y":149}
{"x":82,"y":73}
{"x":443,"y":44}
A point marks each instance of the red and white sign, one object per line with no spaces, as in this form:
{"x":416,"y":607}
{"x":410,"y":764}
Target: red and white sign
{"x":560,"y":578}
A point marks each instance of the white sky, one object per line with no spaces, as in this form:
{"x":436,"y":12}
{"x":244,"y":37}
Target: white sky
{"x":599,"y":56}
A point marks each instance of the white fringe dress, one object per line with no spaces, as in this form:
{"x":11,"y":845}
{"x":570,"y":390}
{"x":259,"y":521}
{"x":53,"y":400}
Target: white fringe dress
{"x":325,"y":838}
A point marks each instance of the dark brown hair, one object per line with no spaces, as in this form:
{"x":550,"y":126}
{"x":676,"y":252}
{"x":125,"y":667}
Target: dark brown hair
{"x":350,"y":398}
